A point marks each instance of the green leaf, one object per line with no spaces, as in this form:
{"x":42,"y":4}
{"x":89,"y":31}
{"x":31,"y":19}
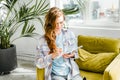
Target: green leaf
{"x":24,"y":27}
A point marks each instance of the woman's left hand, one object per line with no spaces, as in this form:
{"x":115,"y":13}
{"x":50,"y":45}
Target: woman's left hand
{"x":68,"y":55}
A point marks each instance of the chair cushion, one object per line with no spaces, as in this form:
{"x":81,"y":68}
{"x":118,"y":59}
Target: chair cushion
{"x":91,"y":75}
{"x":95,"y":44}
{"x":94,"y":62}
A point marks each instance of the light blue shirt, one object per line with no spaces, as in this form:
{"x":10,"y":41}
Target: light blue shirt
{"x":59,"y":66}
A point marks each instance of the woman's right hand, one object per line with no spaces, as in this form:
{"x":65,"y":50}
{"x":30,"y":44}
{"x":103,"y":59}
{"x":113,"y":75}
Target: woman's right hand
{"x":57,"y":53}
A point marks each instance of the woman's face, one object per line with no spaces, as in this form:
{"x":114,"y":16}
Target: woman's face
{"x":59,"y":24}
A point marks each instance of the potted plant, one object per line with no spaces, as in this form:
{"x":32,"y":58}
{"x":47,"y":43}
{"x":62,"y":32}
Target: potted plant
{"x":16,"y":17}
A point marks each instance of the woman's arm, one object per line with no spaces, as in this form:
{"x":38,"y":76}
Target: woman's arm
{"x":43,"y":58}
{"x":72,"y":44}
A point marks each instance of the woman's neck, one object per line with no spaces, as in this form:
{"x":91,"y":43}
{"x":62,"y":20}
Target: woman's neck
{"x":57,"y":32}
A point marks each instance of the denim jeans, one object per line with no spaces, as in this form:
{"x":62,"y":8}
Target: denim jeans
{"x":56,"y":77}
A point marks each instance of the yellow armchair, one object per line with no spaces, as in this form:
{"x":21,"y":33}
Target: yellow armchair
{"x":40,"y":74}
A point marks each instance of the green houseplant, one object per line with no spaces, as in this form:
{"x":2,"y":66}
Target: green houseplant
{"x":17,"y":18}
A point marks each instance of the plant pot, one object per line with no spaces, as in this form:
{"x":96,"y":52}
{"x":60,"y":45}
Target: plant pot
{"x":8,"y":59}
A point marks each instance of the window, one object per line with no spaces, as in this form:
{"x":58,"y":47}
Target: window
{"x":91,"y":10}
{"x":73,"y":8}
{"x":105,"y":9}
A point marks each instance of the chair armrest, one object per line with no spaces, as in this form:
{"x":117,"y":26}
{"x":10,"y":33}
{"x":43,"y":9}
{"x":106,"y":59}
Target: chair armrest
{"x":40,"y":74}
{"x":112,"y":72}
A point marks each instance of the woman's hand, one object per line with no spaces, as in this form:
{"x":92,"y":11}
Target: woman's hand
{"x":68,"y":55}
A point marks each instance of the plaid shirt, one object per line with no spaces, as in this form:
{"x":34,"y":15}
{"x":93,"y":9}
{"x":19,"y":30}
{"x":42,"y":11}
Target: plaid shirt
{"x":44,"y":60}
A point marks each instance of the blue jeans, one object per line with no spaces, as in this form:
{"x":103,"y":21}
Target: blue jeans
{"x":55,"y":77}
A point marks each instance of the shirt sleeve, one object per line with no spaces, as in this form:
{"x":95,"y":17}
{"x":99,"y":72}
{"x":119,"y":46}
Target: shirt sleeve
{"x":42,"y":58}
{"x":73,"y":43}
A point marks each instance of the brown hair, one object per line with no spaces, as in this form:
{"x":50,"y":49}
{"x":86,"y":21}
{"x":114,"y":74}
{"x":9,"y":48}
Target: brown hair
{"x":49,"y":27}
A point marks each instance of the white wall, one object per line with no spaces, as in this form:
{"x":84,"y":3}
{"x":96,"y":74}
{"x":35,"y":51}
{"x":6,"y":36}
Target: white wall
{"x":92,"y":31}
{"x":26,"y":46}
{"x":102,"y":27}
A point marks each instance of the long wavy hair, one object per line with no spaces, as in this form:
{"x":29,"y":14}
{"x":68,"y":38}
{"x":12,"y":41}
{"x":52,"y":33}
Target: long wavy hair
{"x":50,"y":26}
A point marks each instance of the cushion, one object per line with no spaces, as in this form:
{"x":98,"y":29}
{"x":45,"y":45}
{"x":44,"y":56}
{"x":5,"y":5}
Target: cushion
{"x":91,"y":75}
{"x":94,"y":62}
{"x":95,"y":44}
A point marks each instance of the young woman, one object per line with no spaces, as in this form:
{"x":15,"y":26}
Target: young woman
{"x":56,"y":51}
